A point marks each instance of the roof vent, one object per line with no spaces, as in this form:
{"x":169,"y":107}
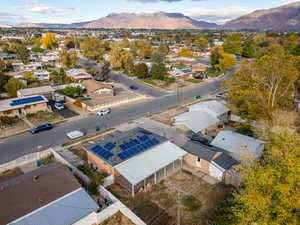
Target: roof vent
{"x":36,"y":177}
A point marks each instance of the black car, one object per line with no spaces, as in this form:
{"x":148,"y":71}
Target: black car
{"x":41,"y":127}
{"x":198,"y":138}
{"x":133,"y":87}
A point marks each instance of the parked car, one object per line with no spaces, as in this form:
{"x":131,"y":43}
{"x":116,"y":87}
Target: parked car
{"x":99,"y":79}
{"x":198,"y":97}
{"x":103,"y":112}
{"x":75,"y":134}
{"x":220,"y":95}
{"x":197,"y":137}
{"x":41,"y":127}
{"x":133,"y":87}
{"x":59,"y":106}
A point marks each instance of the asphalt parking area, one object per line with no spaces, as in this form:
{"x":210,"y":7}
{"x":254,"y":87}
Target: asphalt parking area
{"x":66,"y":112}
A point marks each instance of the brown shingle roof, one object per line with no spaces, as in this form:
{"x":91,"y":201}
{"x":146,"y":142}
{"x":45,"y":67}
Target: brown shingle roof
{"x":92,"y":85}
{"x":23,"y":194}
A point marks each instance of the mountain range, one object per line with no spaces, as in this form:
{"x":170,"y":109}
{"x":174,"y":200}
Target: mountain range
{"x":286,"y":17}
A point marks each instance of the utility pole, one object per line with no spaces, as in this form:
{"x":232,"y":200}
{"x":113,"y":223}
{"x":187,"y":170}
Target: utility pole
{"x":178,"y":208}
{"x":178,"y":99}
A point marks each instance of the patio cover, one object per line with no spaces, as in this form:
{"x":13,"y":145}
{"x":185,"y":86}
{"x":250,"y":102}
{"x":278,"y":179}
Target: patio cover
{"x":138,"y":168}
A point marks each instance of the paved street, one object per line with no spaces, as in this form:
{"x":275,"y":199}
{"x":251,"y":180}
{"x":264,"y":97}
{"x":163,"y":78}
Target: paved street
{"x":24,"y":144}
{"x":144,"y":89}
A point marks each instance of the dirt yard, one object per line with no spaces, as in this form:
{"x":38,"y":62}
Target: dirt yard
{"x":42,"y":117}
{"x":117,"y":219}
{"x":15,"y":129}
{"x":164,"y":199}
{"x":166,"y":117}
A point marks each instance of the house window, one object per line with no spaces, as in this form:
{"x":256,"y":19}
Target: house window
{"x":198,"y":159}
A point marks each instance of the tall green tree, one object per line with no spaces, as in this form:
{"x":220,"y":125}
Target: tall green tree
{"x":201,"y":42}
{"x":12,"y":86}
{"x":262,"y":86}
{"x":233,"y":44}
{"x":158,"y":71}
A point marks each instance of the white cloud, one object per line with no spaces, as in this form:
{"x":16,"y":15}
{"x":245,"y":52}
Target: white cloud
{"x":44,"y":9}
{"x":10,"y":18}
{"x":218,"y":15}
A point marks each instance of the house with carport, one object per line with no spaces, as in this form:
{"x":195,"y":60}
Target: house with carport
{"x":203,"y":117}
{"x":136,"y":158}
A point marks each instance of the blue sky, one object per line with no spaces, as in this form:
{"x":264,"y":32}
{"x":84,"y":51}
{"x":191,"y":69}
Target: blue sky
{"x":67,"y":11}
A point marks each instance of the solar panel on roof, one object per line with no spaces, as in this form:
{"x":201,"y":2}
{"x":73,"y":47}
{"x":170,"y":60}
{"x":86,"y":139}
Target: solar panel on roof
{"x":143,"y":138}
{"x":123,"y":147}
{"x":109,"y":146}
{"x":26,"y":100}
{"x":122,"y":156}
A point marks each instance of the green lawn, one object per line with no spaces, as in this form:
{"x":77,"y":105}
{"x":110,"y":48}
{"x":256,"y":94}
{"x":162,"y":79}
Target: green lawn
{"x":195,"y":81}
{"x":149,"y":81}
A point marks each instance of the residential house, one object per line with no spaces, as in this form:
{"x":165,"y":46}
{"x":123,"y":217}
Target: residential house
{"x":17,"y":66}
{"x":180,"y":73}
{"x":46,"y":196}
{"x":42,"y":75}
{"x":7,"y":56}
{"x":203,"y":116}
{"x":97,"y":88}
{"x":199,"y":67}
{"x":240,"y":146}
{"x":211,"y":160}
{"x":78,"y":74}
{"x":185,"y":61}
{"x":136,"y":158}
{"x":24,"y":105}
{"x":33,"y":66}
{"x":46,"y":91}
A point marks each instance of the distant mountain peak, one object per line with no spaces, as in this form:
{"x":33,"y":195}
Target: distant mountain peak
{"x":286,"y":17}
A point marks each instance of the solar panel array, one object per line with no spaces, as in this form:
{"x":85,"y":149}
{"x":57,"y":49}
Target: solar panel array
{"x":26,"y":100}
{"x":102,"y":152}
{"x":136,"y":146}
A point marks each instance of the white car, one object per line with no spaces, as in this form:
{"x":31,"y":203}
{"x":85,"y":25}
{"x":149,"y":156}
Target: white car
{"x":75,"y":134}
{"x":59,"y":106}
{"x":103,"y":112}
{"x":221,"y":95}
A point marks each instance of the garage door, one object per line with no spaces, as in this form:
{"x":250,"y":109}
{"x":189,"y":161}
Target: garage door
{"x":215,"y":172}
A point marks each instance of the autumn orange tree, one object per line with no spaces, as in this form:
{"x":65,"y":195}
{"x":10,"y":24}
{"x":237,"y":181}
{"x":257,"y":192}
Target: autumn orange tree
{"x":262,"y":86}
{"x":48,"y":41}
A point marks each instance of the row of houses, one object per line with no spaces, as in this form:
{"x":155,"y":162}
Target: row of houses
{"x":139,"y":158}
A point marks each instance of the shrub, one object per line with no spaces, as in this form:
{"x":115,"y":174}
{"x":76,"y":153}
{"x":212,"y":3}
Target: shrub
{"x":93,"y":188}
{"x":47,"y":160}
{"x":95,"y":176}
{"x":7,"y":120}
{"x":191,"y":203}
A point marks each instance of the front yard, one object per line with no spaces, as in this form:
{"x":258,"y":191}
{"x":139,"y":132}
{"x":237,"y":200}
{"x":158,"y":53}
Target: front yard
{"x":196,"y":199}
{"x":43,"y":117}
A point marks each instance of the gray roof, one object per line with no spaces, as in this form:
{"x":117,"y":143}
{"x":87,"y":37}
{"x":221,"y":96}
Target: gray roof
{"x":36,"y":91}
{"x":198,"y":149}
{"x":240,"y":146}
{"x":64,"y":211}
{"x":225,"y":161}
{"x":118,"y":140}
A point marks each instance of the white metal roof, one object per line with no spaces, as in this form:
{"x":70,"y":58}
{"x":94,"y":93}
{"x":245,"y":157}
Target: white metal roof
{"x":214,"y":107}
{"x":36,"y":91}
{"x":197,"y":120}
{"x":138,"y":168}
{"x":242,"y":147}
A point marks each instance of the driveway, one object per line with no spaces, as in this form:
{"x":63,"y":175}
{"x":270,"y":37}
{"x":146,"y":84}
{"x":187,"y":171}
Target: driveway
{"x":65,"y":113}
